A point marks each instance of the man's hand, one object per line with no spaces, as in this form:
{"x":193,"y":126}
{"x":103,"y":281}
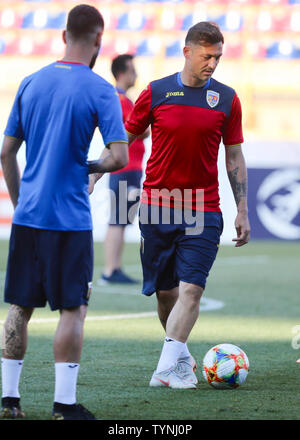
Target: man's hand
{"x":112,"y":159}
{"x":10,"y":167}
{"x":237,"y":174}
{"x":92,"y":182}
{"x":93,"y":179}
{"x":242,"y":227}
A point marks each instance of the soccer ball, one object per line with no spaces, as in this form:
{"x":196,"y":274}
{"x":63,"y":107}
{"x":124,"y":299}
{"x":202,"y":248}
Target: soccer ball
{"x":225,"y":366}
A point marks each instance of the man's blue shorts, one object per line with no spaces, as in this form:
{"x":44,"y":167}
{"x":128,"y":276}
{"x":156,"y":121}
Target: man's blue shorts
{"x":170,"y":255}
{"x":53,"y":266}
{"x":124,"y":197}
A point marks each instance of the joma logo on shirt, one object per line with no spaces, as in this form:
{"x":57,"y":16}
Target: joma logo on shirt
{"x":168,"y":94}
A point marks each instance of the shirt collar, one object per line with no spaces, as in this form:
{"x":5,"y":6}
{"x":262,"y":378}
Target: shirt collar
{"x":121,"y":91}
{"x":182,"y":85}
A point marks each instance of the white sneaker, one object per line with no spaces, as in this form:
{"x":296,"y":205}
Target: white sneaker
{"x":186,"y":368}
{"x":170,"y":378}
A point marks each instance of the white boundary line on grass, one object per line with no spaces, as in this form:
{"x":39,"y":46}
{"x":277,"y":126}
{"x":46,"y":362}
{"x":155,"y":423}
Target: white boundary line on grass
{"x":222,"y":261}
{"x":207,"y":304}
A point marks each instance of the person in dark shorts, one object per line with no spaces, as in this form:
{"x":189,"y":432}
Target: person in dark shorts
{"x":125,"y":184}
{"x":190,"y":113}
{"x":56,"y":111}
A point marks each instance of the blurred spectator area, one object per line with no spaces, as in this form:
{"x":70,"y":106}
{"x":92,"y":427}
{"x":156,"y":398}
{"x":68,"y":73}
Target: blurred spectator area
{"x":261,"y":53}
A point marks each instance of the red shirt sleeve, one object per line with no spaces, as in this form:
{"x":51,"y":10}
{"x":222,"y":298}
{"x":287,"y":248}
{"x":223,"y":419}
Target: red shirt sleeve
{"x":140,"y":117}
{"x":126,"y":105}
{"x":232,"y":131}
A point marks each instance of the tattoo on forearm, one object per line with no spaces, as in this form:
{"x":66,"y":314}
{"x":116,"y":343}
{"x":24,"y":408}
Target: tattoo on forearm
{"x":239,"y":189}
{"x":14,"y":343}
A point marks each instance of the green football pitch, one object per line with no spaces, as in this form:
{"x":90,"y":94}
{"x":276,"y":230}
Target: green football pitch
{"x":251,"y":300}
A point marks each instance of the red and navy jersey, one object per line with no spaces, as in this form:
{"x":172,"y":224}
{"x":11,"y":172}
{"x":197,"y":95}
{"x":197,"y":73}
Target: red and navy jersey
{"x":188,"y":125}
{"x":137,"y":148}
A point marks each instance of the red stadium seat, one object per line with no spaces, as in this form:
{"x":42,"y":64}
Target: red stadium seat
{"x":233,"y":51}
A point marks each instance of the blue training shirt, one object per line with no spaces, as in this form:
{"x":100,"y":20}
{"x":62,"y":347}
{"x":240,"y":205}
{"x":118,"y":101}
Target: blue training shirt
{"x":56,"y":111}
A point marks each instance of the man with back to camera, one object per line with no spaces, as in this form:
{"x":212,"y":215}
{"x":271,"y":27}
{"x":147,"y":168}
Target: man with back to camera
{"x":190,"y":113}
{"x":124,"y":184}
{"x":55,"y":112}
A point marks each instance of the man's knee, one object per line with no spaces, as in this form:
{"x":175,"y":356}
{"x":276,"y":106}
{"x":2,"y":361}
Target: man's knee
{"x":77,"y":314}
{"x":190,"y":294}
{"x":19,"y":314}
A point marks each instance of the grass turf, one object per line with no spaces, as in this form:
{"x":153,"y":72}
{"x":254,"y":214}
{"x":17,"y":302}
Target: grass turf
{"x":259,"y":285}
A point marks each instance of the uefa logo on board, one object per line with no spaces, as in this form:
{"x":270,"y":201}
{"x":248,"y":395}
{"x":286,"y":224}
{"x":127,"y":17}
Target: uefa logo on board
{"x":278,"y":203}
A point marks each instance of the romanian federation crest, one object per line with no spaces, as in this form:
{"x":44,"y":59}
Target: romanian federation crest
{"x":212,"y":98}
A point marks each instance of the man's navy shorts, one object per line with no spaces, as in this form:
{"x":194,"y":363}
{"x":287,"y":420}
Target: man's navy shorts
{"x":170,"y":255}
{"x":124,"y":197}
{"x":45,"y":265}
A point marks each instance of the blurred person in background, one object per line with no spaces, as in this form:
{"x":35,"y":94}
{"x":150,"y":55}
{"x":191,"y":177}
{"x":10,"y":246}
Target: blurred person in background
{"x":56,"y":111}
{"x":124,"y":184}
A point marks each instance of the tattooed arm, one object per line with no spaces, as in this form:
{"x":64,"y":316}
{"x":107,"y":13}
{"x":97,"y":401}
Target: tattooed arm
{"x":237,"y":174}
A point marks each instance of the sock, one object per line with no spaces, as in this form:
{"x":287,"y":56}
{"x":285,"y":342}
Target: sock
{"x":65,"y":382}
{"x":185,"y":352}
{"x":170,"y":353}
{"x":11,"y":372}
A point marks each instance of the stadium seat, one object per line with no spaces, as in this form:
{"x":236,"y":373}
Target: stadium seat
{"x":26,"y":45}
{"x":233,"y":51}
{"x":255,"y":49}
{"x":10,"y":19}
{"x":2,"y":45}
{"x":230,"y":22}
{"x":35,"y":19}
{"x":282,"y":25}
{"x":108,"y":49}
{"x":190,"y":19}
{"x":133,"y":21}
{"x":283,"y":49}
{"x":170,"y":20}
{"x":264,"y":21}
{"x":174,"y":49}
{"x":295,"y":21}
{"x":11,"y":47}
{"x":57,"y":21}
{"x":144,"y":50}
{"x":187,"y":22}
{"x":42,"y":48}
{"x":138,"y":1}
{"x":56,"y":46}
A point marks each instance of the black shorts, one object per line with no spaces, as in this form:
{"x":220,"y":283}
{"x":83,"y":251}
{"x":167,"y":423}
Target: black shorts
{"x":53,"y":266}
{"x":170,"y":255}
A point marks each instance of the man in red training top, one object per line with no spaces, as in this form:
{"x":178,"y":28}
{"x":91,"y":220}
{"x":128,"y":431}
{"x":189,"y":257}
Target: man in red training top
{"x":125,"y":184}
{"x":190,"y":113}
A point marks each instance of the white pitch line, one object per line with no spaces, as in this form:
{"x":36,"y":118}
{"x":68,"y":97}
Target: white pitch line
{"x":111,"y":290}
{"x":223,"y":261}
{"x":96,"y":318}
{"x":229,"y":261}
{"x":207,"y":304}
